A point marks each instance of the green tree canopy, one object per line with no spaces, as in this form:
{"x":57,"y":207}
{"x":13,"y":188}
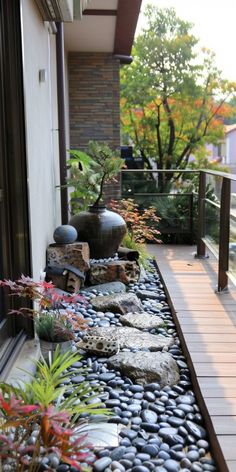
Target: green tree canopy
{"x":173,"y":101}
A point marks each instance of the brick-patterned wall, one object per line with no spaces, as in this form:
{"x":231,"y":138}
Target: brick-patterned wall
{"x":94,"y":99}
{"x":94,"y":96}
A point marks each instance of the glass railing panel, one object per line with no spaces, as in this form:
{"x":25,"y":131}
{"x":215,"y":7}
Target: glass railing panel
{"x":212,"y":226}
{"x":145,"y":181}
{"x":135,"y":182}
{"x":213,"y":187}
{"x":232,"y":236}
{"x":172,"y":194}
{"x":176,"y":215}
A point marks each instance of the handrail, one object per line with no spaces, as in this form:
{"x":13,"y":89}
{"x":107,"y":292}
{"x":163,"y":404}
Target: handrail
{"x":156,"y":171}
{"x":180,"y":171}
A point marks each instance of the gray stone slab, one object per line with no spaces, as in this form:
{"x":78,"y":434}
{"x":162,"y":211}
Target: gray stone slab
{"x":126,"y":337}
{"x":116,"y":287}
{"x":147,"y":367}
{"x":118,"y":303}
{"x":141,"y":320}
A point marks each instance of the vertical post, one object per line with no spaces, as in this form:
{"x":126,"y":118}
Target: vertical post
{"x":201,"y":248}
{"x":223,"y":264}
{"x":61,"y":119}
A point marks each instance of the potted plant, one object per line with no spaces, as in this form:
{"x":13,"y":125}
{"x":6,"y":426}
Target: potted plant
{"x":89,"y":172}
{"x":54,"y":322}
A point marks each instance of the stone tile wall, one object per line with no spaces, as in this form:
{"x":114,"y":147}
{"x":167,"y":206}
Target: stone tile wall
{"x":94,"y":96}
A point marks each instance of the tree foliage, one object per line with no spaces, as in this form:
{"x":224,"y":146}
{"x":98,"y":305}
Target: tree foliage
{"x":172,"y":102}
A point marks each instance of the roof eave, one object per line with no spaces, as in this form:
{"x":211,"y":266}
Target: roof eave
{"x":127,"y":18}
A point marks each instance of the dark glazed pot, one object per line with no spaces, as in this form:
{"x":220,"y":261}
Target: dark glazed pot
{"x":101,"y":228}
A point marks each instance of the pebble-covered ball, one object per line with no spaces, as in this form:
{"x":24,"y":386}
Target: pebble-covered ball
{"x":65,"y":234}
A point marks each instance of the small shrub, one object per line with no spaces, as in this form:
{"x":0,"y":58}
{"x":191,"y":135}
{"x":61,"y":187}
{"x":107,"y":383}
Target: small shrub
{"x":141,"y":226}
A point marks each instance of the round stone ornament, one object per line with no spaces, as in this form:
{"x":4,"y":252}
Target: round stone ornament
{"x":65,"y":234}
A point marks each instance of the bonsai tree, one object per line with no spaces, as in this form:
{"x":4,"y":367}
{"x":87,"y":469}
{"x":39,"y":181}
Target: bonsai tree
{"x":89,"y":172}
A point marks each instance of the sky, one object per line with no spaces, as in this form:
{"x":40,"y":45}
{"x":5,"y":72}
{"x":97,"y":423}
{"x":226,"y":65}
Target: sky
{"x":214,"y":25}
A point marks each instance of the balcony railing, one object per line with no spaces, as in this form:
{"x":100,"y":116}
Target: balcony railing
{"x":197,"y":206}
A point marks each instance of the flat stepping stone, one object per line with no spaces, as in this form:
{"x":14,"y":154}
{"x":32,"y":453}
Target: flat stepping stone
{"x":146,"y":367}
{"x":118,"y":303}
{"x":141,"y":320}
{"x":124,"y":337}
{"x":115,"y":287}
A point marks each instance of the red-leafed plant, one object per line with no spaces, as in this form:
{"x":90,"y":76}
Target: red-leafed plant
{"x":142,"y":225}
{"x":54,"y":321}
{"x":43,"y":417}
{"x":54,"y":434}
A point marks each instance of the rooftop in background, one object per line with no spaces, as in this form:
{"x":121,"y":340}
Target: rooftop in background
{"x":229,"y":128}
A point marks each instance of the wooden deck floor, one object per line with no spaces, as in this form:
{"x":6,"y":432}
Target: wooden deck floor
{"x":207,"y":326}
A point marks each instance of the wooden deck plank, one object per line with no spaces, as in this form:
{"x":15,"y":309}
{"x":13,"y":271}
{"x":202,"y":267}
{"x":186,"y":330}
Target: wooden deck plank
{"x":224,"y":424}
{"x":215,"y":369}
{"x":202,"y":329}
{"x":211,"y":338}
{"x":227,"y":443}
{"x":224,"y":407}
{"x":219,"y":357}
{"x":232,"y":466}
{"x":208,"y":324}
{"x":202,"y":321}
{"x":203,"y":314}
{"x":211,"y":347}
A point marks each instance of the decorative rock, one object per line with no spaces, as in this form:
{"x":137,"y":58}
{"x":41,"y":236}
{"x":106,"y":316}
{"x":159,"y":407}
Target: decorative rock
{"x":130,"y":338}
{"x":116,"y":466}
{"x":75,"y":254}
{"x":145,"y":367}
{"x":124,"y":271}
{"x":171,"y":465}
{"x":101,"y":464}
{"x":149,"y":396}
{"x":141,"y":320}
{"x":187,"y":399}
{"x":150,"y":449}
{"x":65,"y":234}
{"x":143,"y":294}
{"x":150,"y":427}
{"x":128,"y":433}
{"x":99,"y":344}
{"x":106,"y":376}
{"x":118,"y":303}
{"x":118,"y":453}
{"x":115,"y":287}
{"x":196,"y":430}
{"x":170,"y":436}
{"x":140,"y":468}
{"x":149,"y":416}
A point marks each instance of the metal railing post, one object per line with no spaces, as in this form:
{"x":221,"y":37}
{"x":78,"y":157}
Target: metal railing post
{"x":223,"y":264}
{"x":201,"y":247}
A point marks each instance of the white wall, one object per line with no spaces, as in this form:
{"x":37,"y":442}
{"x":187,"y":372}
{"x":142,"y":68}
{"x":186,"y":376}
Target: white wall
{"x":39,"y":46}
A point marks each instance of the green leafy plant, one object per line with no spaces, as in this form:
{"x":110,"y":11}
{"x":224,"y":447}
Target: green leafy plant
{"x":89,"y":172}
{"x":44,"y":408}
{"x":141,"y":225}
{"x":53,"y":320}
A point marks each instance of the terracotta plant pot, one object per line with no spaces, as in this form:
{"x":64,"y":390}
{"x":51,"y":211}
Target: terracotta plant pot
{"x":101,"y":228}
